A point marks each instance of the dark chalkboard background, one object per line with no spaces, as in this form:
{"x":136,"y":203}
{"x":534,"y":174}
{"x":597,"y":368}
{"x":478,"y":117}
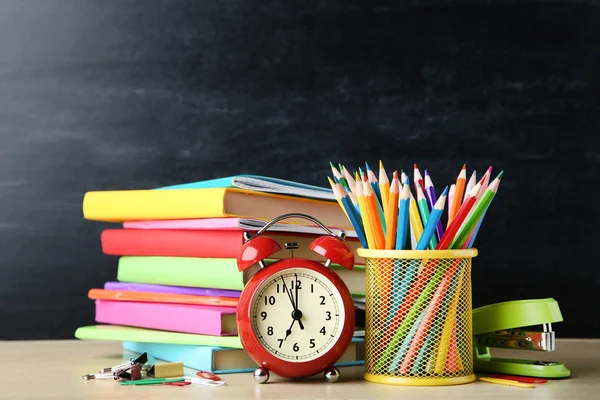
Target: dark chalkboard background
{"x":136,"y":94}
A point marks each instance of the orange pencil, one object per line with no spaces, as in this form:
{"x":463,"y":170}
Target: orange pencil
{"x":371,"y":200}
{"x":461,"y":182}
{"x":391,"y":216}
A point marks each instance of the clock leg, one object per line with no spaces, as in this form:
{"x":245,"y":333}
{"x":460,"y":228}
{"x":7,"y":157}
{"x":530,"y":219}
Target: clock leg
{"x":261,"y":375}
{"x":332,"y":375}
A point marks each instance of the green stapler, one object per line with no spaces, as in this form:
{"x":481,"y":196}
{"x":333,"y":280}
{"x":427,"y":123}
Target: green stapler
{"x":503,"y":325}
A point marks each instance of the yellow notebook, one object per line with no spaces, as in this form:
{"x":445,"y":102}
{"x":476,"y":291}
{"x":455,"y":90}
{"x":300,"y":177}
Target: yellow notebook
{"x":136,"y":205}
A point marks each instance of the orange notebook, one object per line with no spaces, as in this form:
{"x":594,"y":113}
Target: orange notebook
{"x":152,"y":297}
{"x":135,"y":205}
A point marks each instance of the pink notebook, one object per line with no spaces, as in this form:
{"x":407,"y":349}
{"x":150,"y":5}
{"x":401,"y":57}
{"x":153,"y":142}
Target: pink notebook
{"x":246,"y":224}
{"x":187,"y":318}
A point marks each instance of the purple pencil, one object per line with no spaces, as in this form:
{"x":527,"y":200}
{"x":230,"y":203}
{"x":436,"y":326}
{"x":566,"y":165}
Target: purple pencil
{"x":431,"y":199}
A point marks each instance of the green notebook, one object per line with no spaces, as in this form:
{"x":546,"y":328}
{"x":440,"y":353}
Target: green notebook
{"x":125,"y":333}
{"x":216,"y":273}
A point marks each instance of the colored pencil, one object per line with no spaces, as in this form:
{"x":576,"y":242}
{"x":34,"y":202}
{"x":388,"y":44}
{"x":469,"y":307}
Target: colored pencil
{"x":372,"y":178}
{"x":434,"y":217}
{"x":424,"y":211}
{"x":507,"y":382}
{"x":402,"y":177}
{"x":451,"y":193}
{"x":415,"y":219}
{"x":391,"y":216}
{"x":356,"y":221}
{"x":365,"y":215}
{"x":445,"y":359}
{"x":339,"y":176}
{"x":458,"y":219}
{"x":371,"y":202}
{"x":472,"y":182}
{"x":461,"y":181}
{"x":344,"y":182}
{"x":486,"y":181}
{"x":403,"y":217}
{"x":417,"y":178}
{"x":349,"y":179}
{"x":384,"y":187}
{"x":478,"y":212}
{"x":339,"y":200}
{"x":431,"y":199}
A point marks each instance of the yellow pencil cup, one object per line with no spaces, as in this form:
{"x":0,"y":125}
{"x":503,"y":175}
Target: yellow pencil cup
{"x":418,"y":317}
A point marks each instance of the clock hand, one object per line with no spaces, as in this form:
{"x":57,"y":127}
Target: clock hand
{"x":289,"y":292}
{"x":289,"y":331}
{"x":296,"y":297}
{"x":299,"y":319}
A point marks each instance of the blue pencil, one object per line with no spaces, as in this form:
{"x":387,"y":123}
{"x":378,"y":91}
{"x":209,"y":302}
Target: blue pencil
{"x":432,"y":222}
{"x":402,"y":229}
{"x":430,"y":194}
{"x":355,"y":219}
{"x":372,"y":178}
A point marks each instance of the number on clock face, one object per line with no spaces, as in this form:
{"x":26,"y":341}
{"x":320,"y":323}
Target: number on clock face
{"x":297,"y":314}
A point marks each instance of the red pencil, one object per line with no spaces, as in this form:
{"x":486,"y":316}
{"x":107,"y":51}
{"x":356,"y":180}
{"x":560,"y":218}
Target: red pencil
{"x":418,"y":179}
{"x":458,"y":219}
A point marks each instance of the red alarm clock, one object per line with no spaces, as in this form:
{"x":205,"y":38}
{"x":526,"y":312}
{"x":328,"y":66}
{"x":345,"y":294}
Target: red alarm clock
{"x":295,"y":317}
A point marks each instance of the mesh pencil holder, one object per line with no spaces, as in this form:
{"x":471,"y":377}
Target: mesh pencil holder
{"x":418,"y":317}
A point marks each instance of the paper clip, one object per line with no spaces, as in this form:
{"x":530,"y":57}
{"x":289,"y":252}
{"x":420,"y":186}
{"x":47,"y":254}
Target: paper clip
{"x":181,"y":383}
{"x":208,"y":375}
{"x":141,"y":359}
{"x":205,"y":382}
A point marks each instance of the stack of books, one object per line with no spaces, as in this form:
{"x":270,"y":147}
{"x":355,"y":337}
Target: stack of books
{"x":178,"y":284}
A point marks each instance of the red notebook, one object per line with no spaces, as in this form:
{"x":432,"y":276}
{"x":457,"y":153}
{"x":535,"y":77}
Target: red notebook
{"x":201,"y":243}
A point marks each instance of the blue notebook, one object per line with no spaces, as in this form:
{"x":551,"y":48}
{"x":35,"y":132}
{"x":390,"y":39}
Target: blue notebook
{"x":261,"y":184}
{"x":220,"y":360}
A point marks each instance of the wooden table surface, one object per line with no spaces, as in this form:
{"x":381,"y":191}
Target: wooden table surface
{"x":53,"y":370}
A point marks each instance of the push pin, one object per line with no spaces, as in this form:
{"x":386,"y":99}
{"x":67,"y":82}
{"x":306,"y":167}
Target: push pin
{"x":141,"y":359}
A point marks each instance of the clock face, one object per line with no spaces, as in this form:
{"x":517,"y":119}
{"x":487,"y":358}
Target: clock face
{"x":297,"y":314}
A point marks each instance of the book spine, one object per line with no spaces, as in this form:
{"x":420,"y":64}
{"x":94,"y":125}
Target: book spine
{"x":174,"y":243}
{"x":216,"y":273}
{"x":183,"y":318}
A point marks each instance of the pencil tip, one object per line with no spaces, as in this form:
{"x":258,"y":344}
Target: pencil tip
{"x":445,"y":192}
{"x":367,"y":166}
{"x":406,"y":181}
{"x":415,"y":166}
{"x":464,"y":166}
{"x":331,"y":164}
{"x":395,"y":174}
{"x":426,"y":173}
{"x":500,"y":175}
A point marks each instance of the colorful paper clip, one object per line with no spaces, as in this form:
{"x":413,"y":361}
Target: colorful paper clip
{"x":206,"y":382}
{"x":208,"y":375}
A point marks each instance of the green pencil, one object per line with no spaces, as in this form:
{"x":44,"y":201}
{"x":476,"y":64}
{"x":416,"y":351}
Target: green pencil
{"x":477,"y":213}
{"x":424,"y":211}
